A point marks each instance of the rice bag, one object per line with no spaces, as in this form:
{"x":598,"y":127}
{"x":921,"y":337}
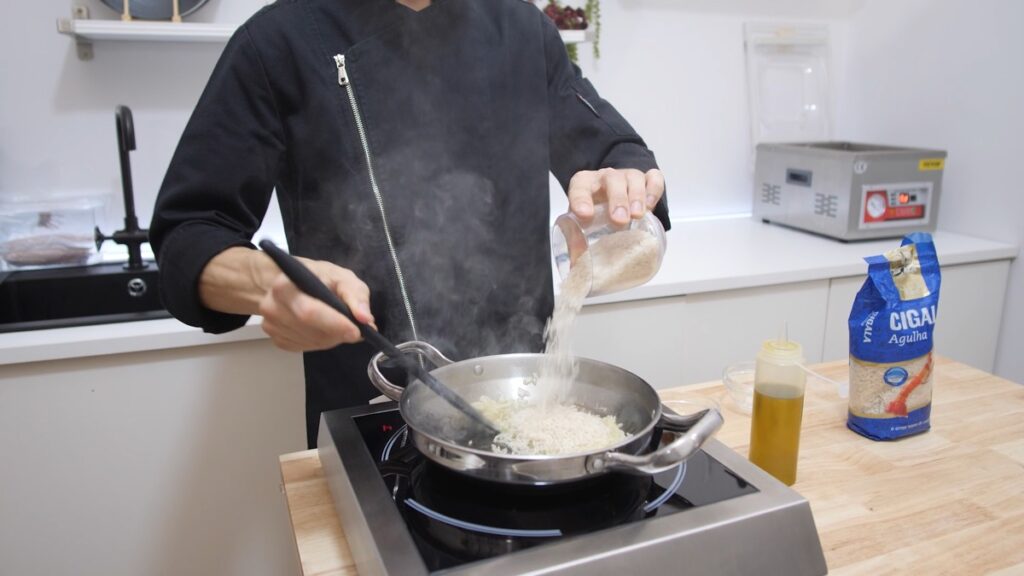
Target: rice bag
{"x":891,"y":330}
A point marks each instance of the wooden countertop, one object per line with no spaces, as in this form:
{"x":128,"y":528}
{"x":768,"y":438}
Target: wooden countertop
{"x":947,"y":501}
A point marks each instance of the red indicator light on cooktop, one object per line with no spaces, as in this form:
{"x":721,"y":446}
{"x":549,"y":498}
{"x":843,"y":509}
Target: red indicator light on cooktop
{"x":904,"y":198}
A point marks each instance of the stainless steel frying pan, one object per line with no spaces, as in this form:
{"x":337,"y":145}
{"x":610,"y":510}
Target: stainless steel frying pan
{"x":444,"y":435}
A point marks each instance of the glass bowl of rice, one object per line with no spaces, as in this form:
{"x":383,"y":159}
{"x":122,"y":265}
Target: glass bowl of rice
{"x":605,"y":256}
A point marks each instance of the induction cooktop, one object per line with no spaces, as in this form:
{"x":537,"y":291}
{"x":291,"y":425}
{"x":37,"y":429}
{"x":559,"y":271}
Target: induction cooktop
{"x":403,"y":514}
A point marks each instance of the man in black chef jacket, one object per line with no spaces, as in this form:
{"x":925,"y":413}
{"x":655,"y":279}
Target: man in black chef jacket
{"x":410,"y":144}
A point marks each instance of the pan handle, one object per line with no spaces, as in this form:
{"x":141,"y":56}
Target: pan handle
{"x":421,"y":349}
{"x":692,"y":432}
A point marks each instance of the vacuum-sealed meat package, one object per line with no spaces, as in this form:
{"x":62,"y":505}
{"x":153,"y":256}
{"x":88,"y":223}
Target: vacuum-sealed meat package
{"x":891,"y":331}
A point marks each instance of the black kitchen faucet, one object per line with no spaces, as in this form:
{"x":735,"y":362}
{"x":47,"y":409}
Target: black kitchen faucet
{"x":131,"y":236}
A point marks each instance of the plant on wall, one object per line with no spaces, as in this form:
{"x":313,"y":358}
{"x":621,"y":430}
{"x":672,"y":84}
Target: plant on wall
{"x":592,"y":10}
{"x":568,"y":18}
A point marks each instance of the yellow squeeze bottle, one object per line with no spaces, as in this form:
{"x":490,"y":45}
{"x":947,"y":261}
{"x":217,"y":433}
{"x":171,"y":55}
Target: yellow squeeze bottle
{"x":779,"y":381}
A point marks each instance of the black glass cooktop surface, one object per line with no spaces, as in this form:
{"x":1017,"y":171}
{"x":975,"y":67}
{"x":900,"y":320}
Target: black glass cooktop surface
{"x":455,"y":520}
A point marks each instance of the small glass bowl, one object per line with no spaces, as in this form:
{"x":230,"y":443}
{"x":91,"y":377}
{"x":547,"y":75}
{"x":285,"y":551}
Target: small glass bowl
{"x":739,"y":381}
{"x":690,"y":403}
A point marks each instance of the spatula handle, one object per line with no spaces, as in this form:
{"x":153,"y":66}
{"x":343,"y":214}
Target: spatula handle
{"x":306,"y":281}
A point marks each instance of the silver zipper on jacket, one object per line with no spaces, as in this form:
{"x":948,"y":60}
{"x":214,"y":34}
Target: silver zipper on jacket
{"x":343,"y":80}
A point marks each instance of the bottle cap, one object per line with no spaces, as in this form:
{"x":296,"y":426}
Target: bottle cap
{"x":782,"y":352}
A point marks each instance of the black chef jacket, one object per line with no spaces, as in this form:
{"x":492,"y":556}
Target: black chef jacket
{"x":410,"y":147}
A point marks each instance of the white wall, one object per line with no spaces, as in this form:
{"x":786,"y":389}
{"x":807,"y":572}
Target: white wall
{"x":676,"y":70}
{"x":57,"y":112}
{"x":948,"y":74}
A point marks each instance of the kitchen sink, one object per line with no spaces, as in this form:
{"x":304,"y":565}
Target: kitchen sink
{"x":78,"y":296}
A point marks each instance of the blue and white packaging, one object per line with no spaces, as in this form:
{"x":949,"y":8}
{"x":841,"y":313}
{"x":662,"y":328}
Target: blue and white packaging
{"x":891,"y":332}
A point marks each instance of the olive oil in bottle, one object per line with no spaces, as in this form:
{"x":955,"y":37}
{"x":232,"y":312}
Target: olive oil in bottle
{"x":779,"y":382}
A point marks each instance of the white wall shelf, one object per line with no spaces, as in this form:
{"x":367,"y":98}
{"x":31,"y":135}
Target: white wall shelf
{"x":86,"y":31}
{"x":147,"y":31}
{"x":576,"y":36}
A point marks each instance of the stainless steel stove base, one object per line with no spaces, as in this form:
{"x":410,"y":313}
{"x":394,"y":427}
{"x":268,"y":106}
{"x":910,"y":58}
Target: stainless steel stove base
{"x":768,"y":532}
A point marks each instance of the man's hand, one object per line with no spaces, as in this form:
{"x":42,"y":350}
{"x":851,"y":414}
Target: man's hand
{"x":245,"y":281}
{"x":298,"y":322}
{"x":629,"y":193}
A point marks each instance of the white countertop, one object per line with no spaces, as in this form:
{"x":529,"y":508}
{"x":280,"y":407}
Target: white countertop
{"x":702,"y":256}
{"x":116,"y":338}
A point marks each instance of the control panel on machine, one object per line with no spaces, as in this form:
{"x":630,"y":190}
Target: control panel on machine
{"x":895,"y":204}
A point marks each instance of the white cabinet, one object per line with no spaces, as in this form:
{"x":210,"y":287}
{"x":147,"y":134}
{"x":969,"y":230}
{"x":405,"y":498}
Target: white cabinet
{"x":841,"y":294}
{"x":167,"y":456}
{"x":970,"y":313}
{"x":690,"y":339}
